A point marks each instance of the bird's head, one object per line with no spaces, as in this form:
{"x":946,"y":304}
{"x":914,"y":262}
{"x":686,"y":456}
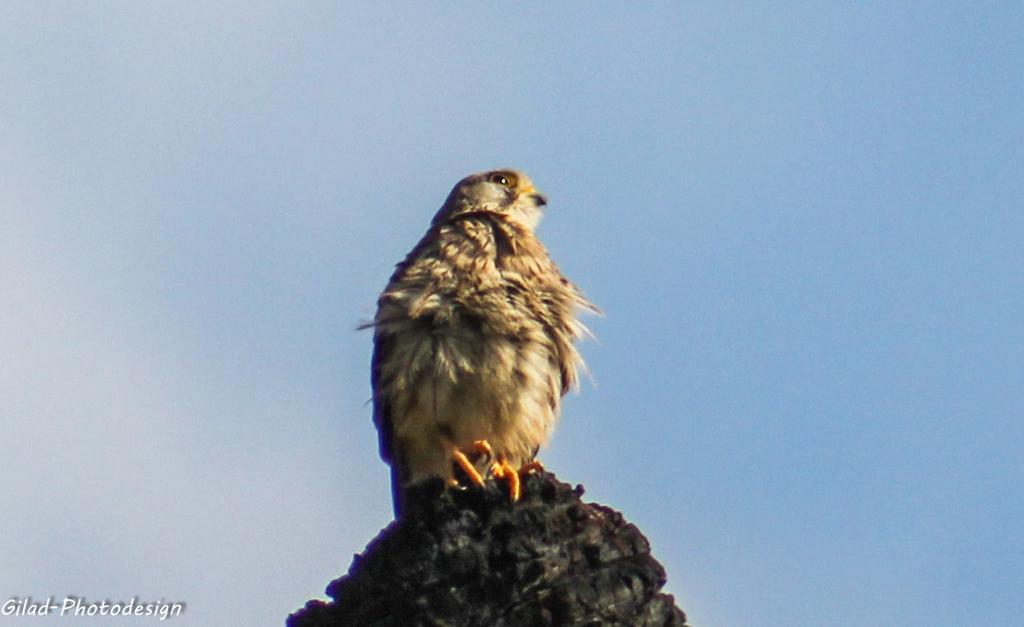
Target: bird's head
{"x":508,"y":193}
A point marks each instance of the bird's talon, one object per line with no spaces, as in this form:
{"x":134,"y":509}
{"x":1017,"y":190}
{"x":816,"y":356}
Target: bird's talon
{"x":530,"y":468}
{"x":467,"y":467}
{"x":503,"y":471}
{"x":482,"y":447}
{"x":514,"y":487}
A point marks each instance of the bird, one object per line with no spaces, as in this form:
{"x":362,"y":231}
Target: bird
{"x":474,"y":341}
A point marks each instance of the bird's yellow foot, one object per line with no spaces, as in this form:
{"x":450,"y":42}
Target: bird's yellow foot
{"x":477,"y":449}
{"x":530,"y":467}
{"x":481,"y":448}
{"x":503,"y":471}
{"x":467,"y":467}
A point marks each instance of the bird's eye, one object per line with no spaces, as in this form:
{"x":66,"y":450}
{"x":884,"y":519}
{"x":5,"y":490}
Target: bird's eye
{"x":501,"y":178}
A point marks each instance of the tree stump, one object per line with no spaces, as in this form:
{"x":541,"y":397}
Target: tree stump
{"x":470,"y":558}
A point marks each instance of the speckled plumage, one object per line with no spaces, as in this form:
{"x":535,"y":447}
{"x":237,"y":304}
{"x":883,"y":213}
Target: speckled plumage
{"x":474,"y":335}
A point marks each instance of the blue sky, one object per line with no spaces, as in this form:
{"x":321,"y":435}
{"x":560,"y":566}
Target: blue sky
{"x":804,"y":225}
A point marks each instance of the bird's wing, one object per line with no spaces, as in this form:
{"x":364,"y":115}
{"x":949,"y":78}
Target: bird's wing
{"x":382,"y":345}
{"x":381,"y":409}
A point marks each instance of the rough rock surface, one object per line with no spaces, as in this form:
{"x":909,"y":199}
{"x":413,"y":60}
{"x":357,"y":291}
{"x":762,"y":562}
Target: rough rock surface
{"x":462,"y":558}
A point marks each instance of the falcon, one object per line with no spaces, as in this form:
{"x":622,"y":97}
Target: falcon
{"x":473,"y":344}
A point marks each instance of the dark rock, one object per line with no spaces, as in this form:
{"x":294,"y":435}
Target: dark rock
{"x":461,"y":558}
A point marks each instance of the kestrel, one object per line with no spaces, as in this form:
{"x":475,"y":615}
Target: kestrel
{"x":473,"y":342}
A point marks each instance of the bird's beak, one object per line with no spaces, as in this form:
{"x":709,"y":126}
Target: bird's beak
{"x":538,"y":198}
